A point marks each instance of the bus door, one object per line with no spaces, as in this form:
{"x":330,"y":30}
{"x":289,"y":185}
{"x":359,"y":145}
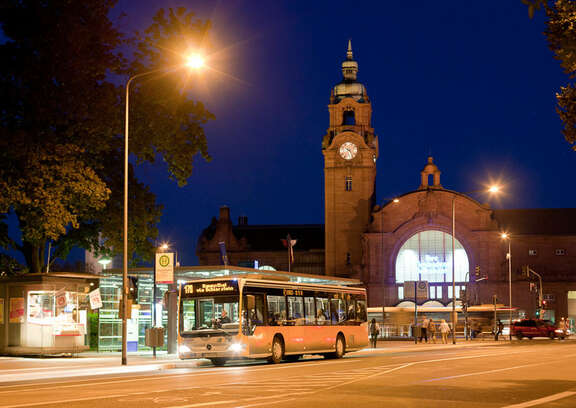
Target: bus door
{"x":295,"y":335}
{"x":254,"y":322}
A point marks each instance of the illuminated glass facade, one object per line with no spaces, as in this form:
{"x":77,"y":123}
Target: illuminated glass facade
{"x":427,"y":256}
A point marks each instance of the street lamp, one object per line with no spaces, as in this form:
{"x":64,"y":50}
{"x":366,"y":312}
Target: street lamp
{"x":193,"y":61}
{"x":507,"y":236}
{"x":492,"y":189}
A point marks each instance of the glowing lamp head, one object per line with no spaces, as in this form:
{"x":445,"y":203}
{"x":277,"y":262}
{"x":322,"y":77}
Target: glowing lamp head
{"x":494,"y":189}
{"x":396,"y":200}
{"x":195,"y":61}
{"x":504,"y":235}
{"x":164,"y":247}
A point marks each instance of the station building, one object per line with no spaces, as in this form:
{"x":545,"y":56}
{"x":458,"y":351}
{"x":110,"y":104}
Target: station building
{"x":410,"y":238}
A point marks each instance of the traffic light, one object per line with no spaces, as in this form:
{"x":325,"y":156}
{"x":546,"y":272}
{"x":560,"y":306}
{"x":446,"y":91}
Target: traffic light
{"x":544,"y":304}
{"x":477,"y":271}
{"x":526,"y":271}
{"x":538,"y":313}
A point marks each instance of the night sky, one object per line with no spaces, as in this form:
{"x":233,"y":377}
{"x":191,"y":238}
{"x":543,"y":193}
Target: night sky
{"x":471,"y":83}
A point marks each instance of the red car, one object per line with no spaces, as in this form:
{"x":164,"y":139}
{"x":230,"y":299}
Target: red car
{"x":533,"y":328}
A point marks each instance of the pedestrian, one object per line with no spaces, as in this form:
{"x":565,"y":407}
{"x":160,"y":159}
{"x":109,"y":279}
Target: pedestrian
{"x":374,"y":330}
{"x":444,"y":330}
{"x":499,"y":328}
{"x":424,"y":329}
{"x":432,"y":331}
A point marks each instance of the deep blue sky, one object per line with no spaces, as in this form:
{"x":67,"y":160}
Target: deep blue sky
{"x":471,"y":82}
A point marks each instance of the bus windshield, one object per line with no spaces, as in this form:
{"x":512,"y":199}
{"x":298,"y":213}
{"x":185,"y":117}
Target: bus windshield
{"x":218,"y":312}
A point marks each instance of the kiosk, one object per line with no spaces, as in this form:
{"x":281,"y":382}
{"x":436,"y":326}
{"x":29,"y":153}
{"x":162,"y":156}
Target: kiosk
{"x":45,"y":313}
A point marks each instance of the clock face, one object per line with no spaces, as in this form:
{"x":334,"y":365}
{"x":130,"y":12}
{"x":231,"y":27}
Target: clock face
{"x":348,"y":150}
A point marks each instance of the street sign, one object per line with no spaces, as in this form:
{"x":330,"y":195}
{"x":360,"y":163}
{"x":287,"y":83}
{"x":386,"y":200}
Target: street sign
{"x":165,"y":267}
{"x":420,"y":287}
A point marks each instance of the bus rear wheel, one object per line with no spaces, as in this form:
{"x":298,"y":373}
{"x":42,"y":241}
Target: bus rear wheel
{"x":218,"y":361}
{"x":277,"y":351}
{"x":339,"y":347}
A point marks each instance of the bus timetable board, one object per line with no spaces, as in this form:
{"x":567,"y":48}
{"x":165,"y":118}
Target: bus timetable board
{"x":211,"y":288}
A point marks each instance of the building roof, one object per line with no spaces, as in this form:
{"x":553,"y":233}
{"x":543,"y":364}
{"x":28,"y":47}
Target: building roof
{"x":552,"y":221}
{"x":269,"y":237}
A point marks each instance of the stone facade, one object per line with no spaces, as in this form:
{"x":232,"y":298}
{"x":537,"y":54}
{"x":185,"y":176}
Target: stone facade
{"x":363,"y":241}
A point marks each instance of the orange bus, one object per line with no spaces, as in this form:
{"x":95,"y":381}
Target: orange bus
{"x":250,"y":317}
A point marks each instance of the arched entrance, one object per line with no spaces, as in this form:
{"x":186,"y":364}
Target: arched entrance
{"x":427,"y":255}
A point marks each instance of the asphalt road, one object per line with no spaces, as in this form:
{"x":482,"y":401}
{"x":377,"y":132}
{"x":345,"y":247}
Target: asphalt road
{"x":522,"y":374}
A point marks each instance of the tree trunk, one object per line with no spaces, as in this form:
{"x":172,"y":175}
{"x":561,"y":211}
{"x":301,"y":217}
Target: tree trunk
{"x":33,"y":255}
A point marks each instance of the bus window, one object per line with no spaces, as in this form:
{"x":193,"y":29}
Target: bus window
{"x":256,"y":314}
{"x":188,"y":315}
{"x":276,"y":310}
{"x":337,"y":311}
{"x":361,"y":310}
{"x":351,"y":310}
{"x":206,"y":316}
{"x":322,"y":310}
{"x":309,"y":310}
{"x":296,"y":310}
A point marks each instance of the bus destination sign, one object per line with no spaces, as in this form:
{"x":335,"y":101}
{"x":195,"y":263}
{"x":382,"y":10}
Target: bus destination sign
{"x":214,"y":288}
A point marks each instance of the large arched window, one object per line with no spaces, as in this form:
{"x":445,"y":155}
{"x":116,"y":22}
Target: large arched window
{"x":427,"y":256}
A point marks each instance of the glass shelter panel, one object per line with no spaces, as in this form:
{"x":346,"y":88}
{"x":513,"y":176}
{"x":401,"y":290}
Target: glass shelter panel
{"x":427,"y":256}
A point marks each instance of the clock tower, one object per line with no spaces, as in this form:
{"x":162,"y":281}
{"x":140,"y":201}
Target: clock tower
{"x":350,"y":150}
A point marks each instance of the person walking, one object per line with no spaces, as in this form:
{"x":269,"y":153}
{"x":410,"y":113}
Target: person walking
{"x":432,"y":331}
{"x":374,"y":330}
{"x":424,"y":329}
{"x":444,"y":330}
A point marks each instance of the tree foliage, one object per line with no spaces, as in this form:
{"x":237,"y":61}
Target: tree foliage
{"x":62,"y":123}
{"x":561,"y":35}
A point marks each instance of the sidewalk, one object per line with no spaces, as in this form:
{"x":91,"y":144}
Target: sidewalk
{"x":18,"y":369}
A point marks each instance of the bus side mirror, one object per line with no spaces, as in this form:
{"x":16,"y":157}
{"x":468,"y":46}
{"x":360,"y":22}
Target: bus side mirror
{"x":250,"y":302}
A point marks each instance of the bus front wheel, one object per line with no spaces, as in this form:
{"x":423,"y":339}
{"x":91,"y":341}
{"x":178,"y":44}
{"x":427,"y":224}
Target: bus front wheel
{"x":277,"y":350}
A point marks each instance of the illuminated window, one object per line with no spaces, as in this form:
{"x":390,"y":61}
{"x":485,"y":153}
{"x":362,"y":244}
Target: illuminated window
{"x":348,"y":186}
{"x":435,"y":292}
{"x":532,"y":252}
{"x":400,"y":292}
{"x":458,"y":289}
{"x":427,"y":256}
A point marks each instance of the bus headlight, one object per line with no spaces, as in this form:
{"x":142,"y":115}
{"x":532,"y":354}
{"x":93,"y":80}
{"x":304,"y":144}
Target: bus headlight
{"x":237,"y":347}
{"x":182,"y":348}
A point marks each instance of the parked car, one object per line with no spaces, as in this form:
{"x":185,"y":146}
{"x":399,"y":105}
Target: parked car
{"x":535,"y":328}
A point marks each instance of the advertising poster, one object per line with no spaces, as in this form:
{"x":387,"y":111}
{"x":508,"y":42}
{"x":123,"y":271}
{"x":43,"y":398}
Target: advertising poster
{"x":16,"y":310}
{"x":1,"y":311}
{"x":95,"y":299}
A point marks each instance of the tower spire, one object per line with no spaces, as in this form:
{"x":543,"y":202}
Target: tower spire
{"x":349,"y":66}
{"x":349,"y":55}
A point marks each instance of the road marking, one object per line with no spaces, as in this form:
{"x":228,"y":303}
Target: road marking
{"x":483,"y":372}
{"x":540,"y":401}
{"x":212,"y":371}
{"x":563,"y":359}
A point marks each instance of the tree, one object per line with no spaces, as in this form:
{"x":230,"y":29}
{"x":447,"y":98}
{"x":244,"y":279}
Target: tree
{"x":561,"y":35}
{"x":61,"y":124}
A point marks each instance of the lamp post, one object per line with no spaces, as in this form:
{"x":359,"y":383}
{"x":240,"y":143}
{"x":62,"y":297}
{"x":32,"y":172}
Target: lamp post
{"x":492,"y":189}
{"x":507,"y":236}
{"x":194,"y":61}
